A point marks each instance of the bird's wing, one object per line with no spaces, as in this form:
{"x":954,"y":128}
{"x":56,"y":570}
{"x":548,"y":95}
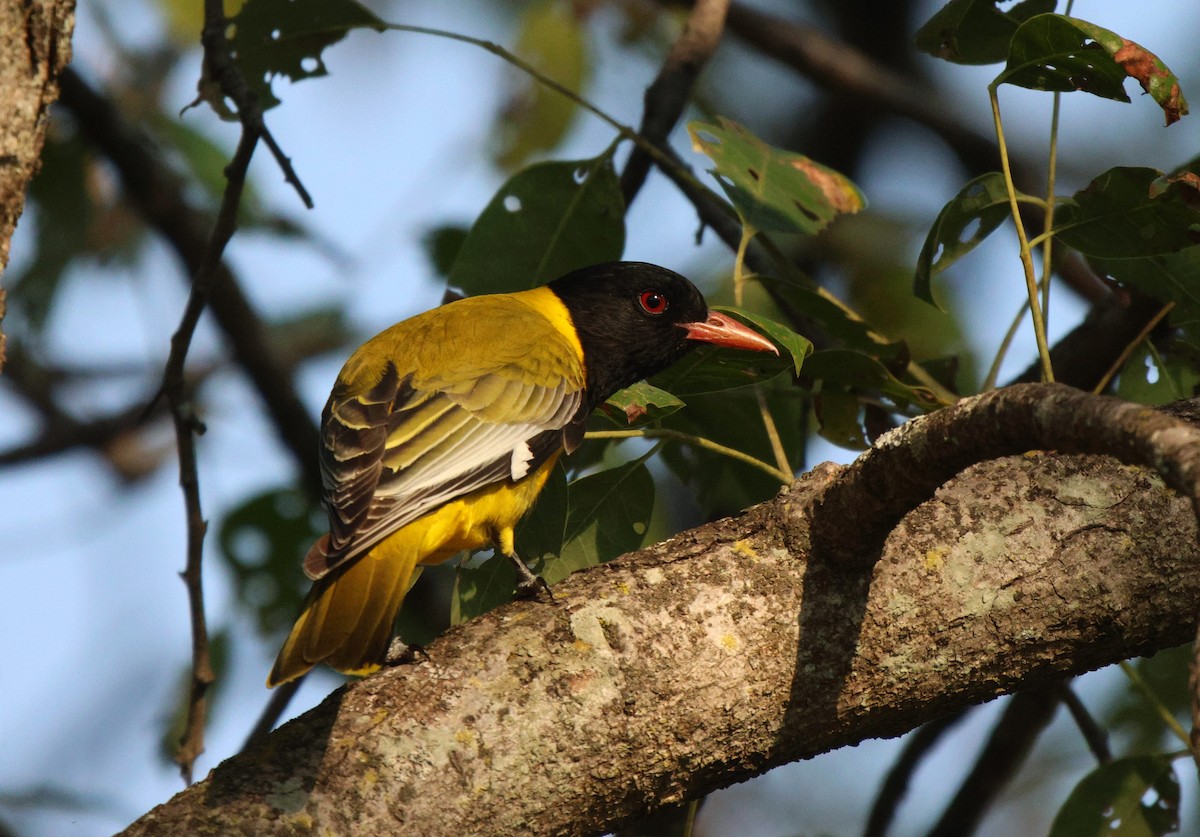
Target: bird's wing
{"x":466,"y":398}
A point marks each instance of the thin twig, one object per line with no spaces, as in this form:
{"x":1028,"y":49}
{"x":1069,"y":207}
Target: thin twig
{"x":159,"y":194}
{"x":1160,"y":708}
{"x":1123,"y":358}
{"x":1035,"y":308}
{"x":671,"y":90}
{"x":174,"y":386}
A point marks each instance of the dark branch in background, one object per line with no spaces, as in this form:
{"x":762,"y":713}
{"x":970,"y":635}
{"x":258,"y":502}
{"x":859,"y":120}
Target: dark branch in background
{"x":671,"y":90}
{"x":908,"y":464}
{"x":895,"y":786}
{"x":219,"y":64}
{"x":1027,"y":714}
{"x":1094,"y":734}
{"x":158,"y":193}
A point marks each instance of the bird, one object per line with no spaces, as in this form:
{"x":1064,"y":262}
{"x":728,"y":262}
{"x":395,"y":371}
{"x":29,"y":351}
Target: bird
{"x":441,"y":431}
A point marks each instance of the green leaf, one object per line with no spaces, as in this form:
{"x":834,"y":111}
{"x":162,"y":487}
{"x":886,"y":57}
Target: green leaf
{"x":710,"y":369}
{"x":1129,"y":213}
{"x":848,"y":368}
{"x":970,"y":217}
{"x":609,"y":516}
{"x":975,"y":31}
{"x":796,"y":345}
{"x":538,"y":538}
{"x":1170,"y":277}
{"x":773,"y":189}
{"x":1143,"y":66}
{"x":1150,"y":378}
{"x":838,"y":412}
{"x":835,"y":319}
{"x":547,"y":220}
{"x":639,"y":404}
{"x":442,"y":246}
{"x":1129,"y":797}
{"x":536,"y":118}
{"x":1063,"y":54}
{"x":263,"y":542}
{"x":286,"y":37}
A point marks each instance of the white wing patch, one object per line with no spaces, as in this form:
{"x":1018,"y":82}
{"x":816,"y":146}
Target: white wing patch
{"x":521,"y":457}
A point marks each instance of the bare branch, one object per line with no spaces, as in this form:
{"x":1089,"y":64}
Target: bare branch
{"x":159,"y":194}
{"x":668,"y":94}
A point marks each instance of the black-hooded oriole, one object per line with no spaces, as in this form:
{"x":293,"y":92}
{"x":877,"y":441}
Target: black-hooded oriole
{"x":441,"y":431}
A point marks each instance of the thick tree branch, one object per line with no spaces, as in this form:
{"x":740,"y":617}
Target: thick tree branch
{"x":35,"y":45}
{"x":726,"y":651}
{"x":908,"y":463}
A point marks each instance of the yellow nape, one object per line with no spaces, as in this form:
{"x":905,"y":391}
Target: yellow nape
{"x":348,"y":617}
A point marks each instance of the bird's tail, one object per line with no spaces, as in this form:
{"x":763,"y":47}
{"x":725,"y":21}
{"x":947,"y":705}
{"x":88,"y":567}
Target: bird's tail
{"x":346,"y":622}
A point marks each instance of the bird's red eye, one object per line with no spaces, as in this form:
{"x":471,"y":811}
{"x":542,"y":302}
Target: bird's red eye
{"x":653,"y":302}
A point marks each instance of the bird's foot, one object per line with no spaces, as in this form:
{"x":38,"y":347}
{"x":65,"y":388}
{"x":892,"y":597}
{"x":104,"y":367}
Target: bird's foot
{"x":528,"y":588}
{"x":399,"y":653}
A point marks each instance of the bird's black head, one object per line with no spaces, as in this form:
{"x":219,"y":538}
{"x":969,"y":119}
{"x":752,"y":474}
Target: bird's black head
{"x":635,"y":319}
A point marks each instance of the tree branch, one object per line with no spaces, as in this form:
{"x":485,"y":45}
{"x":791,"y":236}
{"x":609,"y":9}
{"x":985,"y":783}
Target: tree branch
{"x":1014,"y":735}
{"x":907,"y":464}
{"x":159,"y":194}
{"x":35,"y":42}
{"x":727,"y":651}
{"x":668,"y":94}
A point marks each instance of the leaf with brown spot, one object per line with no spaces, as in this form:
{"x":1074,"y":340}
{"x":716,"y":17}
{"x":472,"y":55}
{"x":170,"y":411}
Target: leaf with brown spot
{"x":1064,"y":54}
{"x":773,"y":189}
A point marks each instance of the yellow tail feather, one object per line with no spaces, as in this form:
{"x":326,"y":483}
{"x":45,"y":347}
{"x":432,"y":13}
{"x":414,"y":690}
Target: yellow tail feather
{"x":346,"y":621}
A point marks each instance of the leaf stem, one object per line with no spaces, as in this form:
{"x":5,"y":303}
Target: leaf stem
{"x":1048,"y":219}
{"x":696,"y":441}
{"x":1031,"y":285}
{"x":1129,"y":348}
{"x":1139,"y":683}
{"x":989,"y":383}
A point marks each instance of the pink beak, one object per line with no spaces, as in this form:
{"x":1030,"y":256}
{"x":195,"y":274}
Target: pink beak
{"x":721,"y":330}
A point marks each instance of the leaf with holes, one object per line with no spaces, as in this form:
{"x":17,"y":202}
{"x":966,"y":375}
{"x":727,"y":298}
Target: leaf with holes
{"x":286,"y":38}
{"x":1149,"y":377}
{"x":773,"y":189}
{"x":1130,"y":796}
{"x":975,"y":31}
{"x":1063,"y":54}
{"x":1130,"y":213}
{"x":546,"y":220}
{"x":962,"y":225}
{"x":1168,"y":277}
